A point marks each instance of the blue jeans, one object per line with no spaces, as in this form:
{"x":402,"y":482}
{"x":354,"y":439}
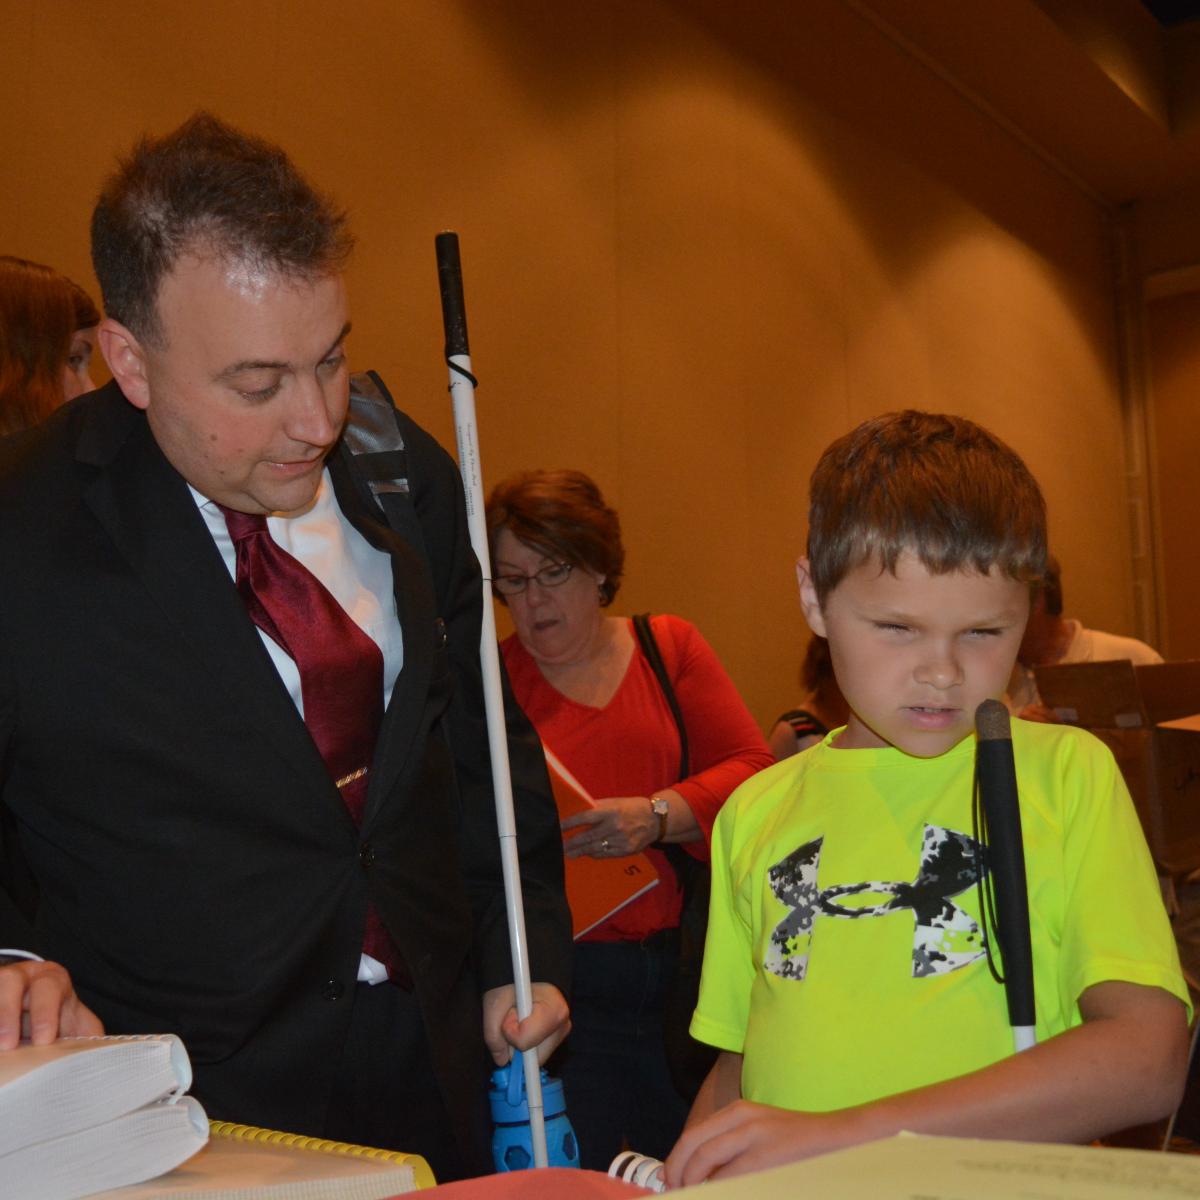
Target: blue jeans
{"x":617,"y":1087}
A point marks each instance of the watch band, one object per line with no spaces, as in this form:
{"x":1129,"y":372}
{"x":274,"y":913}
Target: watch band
{"x":661,"y":808}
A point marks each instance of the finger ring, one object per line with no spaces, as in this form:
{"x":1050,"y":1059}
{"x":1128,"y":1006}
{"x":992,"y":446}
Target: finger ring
{"x":604,"y":845}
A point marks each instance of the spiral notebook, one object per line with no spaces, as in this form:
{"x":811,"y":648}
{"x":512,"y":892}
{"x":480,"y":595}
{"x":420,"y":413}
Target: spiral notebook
{"x":243,"y":1162}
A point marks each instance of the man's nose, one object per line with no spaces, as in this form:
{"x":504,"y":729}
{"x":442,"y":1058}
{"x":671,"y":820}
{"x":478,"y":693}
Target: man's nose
{"x":315,"y":415}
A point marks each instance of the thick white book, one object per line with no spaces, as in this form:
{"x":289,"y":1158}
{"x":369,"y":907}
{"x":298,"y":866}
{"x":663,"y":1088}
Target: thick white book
{"x":73,"y":1083}
{"x":135,"y":1146}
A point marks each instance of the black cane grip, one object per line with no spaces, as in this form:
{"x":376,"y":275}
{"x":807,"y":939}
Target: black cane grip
{"x":1006,"y":854}
{"x":454,"y":311}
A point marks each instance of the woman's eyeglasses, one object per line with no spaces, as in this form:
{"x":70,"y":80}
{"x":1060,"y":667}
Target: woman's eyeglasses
{"x":555,"y":575}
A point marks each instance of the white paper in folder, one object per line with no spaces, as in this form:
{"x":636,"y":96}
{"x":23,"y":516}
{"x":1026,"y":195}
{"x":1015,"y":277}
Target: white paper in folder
{"x":912,"y":1167}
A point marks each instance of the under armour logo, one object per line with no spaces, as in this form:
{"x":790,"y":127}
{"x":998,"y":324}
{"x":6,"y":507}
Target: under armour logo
{"x":946,"y":936}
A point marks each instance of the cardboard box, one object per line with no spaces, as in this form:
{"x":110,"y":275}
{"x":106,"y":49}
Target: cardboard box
{"x":1149,"y":716}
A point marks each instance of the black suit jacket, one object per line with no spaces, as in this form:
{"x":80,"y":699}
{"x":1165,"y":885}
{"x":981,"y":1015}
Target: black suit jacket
{"x":172,"y":835}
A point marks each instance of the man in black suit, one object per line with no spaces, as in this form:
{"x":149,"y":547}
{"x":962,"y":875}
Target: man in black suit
{"x":174,"y":845}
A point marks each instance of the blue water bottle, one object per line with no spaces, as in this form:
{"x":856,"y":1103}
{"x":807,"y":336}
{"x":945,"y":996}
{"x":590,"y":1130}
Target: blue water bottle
{"x":512,"y":1140}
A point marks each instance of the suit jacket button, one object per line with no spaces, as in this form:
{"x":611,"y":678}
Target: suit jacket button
{"x":439,"y":629}
{"x":333,"y":989}
{"x":366,"y":855}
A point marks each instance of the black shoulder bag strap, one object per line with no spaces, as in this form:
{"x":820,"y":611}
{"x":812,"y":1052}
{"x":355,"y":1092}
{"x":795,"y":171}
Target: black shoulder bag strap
{"x":645,"y":637}
{"x":683,"y":863}
{"x":689,"y":1061}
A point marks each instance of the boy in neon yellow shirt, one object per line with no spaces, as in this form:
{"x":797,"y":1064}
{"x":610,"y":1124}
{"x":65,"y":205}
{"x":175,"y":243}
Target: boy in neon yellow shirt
{"x":846,"y":979}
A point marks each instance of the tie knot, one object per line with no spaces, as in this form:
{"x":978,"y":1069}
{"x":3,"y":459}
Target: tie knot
{"x":242,"y":525}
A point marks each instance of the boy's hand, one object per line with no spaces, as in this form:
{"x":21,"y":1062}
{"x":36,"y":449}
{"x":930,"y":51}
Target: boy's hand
{"x":745,"y":1137}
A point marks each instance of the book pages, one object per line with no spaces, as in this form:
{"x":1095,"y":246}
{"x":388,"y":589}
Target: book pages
{"x":70,"y":1084}
{"x":231,"y":1169}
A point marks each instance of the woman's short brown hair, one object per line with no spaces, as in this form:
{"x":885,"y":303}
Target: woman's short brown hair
{"x":40,"y":310}
{"x":562,"y":514}
{"x":938,"y":486}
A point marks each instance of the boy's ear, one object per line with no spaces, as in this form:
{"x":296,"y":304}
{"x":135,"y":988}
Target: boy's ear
{"x":809,"y":604}
{"x":126,"y":360}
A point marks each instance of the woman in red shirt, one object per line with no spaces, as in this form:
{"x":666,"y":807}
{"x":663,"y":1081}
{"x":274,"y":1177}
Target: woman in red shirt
{"x":597,"y":705}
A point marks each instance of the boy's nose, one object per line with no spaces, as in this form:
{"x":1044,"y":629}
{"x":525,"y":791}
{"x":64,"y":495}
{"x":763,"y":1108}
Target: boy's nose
{"x":940,"y":669}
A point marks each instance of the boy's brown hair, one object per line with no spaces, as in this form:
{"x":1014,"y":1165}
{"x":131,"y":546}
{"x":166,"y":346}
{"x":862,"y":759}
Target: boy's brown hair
{"x":936,"y":485}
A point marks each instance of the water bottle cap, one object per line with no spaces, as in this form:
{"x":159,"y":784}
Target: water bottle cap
{"x":507,"y":1093}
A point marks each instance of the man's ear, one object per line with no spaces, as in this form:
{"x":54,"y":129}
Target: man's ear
{"x":809,"y":604}
{"x":126,"y":359}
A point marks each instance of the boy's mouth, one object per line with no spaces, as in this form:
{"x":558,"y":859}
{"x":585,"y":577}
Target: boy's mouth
{"x":929,"y":716}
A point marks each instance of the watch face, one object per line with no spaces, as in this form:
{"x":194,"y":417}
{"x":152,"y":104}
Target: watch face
{"x":660,"y":806}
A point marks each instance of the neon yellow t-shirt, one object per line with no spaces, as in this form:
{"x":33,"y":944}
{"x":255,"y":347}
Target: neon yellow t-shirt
{"x":844,"y":956}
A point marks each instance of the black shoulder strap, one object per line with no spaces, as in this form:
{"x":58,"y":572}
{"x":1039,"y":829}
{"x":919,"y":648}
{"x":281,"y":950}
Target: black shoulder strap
{"x":645,"y":637}
{"x":375,"y":443}
{"x":372,"y":435}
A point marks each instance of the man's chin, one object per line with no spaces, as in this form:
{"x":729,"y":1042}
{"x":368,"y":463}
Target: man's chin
{"x":292,"y":493}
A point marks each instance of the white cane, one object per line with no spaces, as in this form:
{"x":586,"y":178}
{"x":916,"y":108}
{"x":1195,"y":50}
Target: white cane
{"x":462,"y":393}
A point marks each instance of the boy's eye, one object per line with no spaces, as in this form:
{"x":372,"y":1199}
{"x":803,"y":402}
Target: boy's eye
{"x":891,"y":627}
{"x":984,"y":633}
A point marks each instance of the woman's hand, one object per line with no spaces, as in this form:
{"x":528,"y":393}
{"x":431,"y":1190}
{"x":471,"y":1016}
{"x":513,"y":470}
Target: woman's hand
{"x":617,"y":825}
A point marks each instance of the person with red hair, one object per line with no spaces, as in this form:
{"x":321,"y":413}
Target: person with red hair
{"x":47,"y":336}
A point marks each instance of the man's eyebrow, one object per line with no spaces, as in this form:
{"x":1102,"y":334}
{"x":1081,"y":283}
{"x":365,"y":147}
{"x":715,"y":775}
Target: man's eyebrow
{"x":263,"y":364}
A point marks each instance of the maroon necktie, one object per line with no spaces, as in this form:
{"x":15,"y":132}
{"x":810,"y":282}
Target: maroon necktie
{"x":341,"y":675}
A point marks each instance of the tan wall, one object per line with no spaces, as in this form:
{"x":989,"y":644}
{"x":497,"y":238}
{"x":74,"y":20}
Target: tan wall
{"x":1173,"y":323}
{"x":700,"y":240}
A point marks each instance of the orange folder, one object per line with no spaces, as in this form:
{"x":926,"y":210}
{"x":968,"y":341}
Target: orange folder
{"x":596,"y":887}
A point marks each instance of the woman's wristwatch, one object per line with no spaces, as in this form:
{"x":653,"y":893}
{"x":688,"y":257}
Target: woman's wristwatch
{"x":662,"y":810}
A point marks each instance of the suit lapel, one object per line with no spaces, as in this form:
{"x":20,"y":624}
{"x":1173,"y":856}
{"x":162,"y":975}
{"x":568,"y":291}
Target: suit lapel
{"x":145,"y":507}
{"x":416,"y":611}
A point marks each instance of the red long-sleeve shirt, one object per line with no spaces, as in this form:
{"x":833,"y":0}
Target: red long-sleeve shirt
{"x":630,"y":747}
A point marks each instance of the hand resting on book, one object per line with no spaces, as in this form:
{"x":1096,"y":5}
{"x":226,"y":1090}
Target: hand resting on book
{"x":39,"y":998}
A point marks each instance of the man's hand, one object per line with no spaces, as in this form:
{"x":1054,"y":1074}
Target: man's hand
{"x":744,"y":1137}
{"x":37,"y":1001}
{"x":549,"y":1021}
